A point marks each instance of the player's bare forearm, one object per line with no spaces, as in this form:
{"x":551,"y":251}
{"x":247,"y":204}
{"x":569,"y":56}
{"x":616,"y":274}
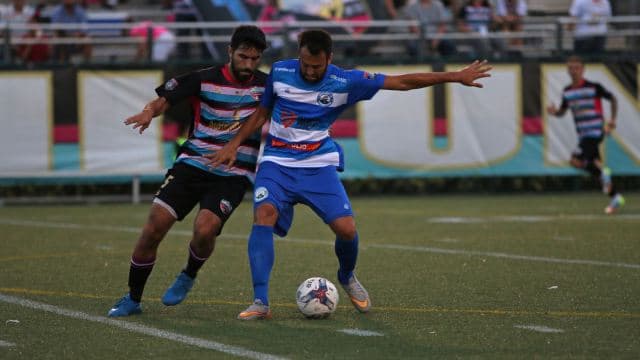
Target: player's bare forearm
{"x":253,"y":123}
{"x":227,"y":155}
{"x":152,"y":109}
{"x":467,"y":76}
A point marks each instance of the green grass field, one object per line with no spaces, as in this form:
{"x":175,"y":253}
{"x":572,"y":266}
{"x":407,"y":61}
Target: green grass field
{"x":533,"y":276}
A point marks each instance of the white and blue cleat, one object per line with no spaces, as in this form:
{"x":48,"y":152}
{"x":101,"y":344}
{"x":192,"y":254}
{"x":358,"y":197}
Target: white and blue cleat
{"x":125,"y":307}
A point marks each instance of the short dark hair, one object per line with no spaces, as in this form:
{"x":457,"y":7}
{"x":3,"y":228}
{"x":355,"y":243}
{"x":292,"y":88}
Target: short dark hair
{"x":315,"y":41}
{"x":250,"y":36}
{"x":575,"y":58}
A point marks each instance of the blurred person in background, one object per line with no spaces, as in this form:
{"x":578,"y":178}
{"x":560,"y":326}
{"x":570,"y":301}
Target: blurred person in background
{"x":39,"y":51}
{"x":70,"y":12}
{"x":434,"y":19}
{"x":476,"y":18}
{"x":223,"y":97}
{"x":509,"y":14}
{"x":590,"y":30}
{"x":584,"y":98}
{"x":163,"y":41}
{"x":16,"y":13}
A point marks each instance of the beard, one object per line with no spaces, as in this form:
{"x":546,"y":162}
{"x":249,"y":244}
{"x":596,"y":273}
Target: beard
{"x":240,"y":74}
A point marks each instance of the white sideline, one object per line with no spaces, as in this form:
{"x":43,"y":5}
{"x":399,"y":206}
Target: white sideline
{"x":538,"y":328}
{"x":46,"y":224}
{"x":6,"y":344}
{"x":142,"y":329}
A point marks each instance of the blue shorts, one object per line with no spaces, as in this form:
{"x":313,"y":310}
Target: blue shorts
{"x":284,"y":187}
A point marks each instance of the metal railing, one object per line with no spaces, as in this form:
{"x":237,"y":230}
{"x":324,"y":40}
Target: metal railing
{"x":539,"y":37}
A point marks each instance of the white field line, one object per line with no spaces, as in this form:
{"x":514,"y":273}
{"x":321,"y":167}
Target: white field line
{"x":414,"y":248}
{"x":141,"y":329}
{"x":6,"y":344}
{"x":359,"y":332}
{"x":526,"y":219}
{"x":538,"y":328}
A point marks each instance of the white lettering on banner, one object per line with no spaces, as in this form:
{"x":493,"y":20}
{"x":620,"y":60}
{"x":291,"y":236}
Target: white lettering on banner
{"x":106,"y":99}
{"x":26,"y":137}
{"x":484,"y":125}
{"x":560,"y":137}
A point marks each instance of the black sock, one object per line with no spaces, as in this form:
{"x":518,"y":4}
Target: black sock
{"x":594,"y":170}
{"x":138,"y":274}
{"x":194,"y":263}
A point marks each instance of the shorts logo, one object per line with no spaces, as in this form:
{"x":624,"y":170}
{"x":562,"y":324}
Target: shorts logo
{"x":171,"y":84}
{"x":225,"y":207}
{"x":325,"y":99}
{"x":261,"y":194}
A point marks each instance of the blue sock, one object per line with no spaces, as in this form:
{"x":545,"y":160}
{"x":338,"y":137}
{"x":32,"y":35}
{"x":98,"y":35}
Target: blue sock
{"x":347,"y":253}
{"x":261,"y":256}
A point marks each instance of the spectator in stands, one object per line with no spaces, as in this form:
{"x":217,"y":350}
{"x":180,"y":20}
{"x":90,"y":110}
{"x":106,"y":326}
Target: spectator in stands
{"x":16,"y":13}
{"x":476,"y":18}
{"x":69,"y":12}
{"x":393,"y":7}
{"x":38,"y":51}
{"x":433,"y":18}
{"x":164,"y":42}
{"x":184,"y":11}
{"x":509,"y":14}
{"x":591,"y":25}
{"x":11,"y":14}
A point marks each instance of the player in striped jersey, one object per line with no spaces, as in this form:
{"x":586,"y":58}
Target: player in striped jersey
{"x":222,"y":97}
{"x":584,"y":98}
{"x":304,"y":97}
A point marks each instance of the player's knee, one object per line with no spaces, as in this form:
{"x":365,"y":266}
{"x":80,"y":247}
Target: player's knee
{"x":266,"y":214}
{"x":344,"y":228}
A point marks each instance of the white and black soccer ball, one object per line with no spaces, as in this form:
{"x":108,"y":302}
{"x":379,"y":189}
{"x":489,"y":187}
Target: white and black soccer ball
{"x":317,"y":298}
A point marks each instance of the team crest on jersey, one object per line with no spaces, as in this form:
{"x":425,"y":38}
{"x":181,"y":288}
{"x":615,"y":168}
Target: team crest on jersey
{"x":255,"y":93}
{"x":260,"y":194}
{"x":225,"y":206}
{"x":171,"y":84}
{"x":369,"y":76}
{"x":325,"y":99}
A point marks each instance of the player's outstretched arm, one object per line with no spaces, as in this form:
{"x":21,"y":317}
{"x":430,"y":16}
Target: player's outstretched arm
{"x":466,"y":76}
{"x":227,"y":155}
{"x":152,"y":109}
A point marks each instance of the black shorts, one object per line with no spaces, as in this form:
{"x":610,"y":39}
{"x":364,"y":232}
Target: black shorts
{"x":588,"y":149}
{"x":185,"y":185}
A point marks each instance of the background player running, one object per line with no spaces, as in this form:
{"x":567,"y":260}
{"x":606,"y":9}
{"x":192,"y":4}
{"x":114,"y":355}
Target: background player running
{"x":584,"y":98}
{"x":304,"y":97}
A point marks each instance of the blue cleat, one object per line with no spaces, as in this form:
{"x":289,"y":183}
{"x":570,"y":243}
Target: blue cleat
{"x":616,"y":203}
{"x":178,"y":291}
{"x":125,"y":307}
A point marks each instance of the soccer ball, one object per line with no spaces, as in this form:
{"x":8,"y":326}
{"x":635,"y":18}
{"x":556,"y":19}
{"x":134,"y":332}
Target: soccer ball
{"x":317,"y":298}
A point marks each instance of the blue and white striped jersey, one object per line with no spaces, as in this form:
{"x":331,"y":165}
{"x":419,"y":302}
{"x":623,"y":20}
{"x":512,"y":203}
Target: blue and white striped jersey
{"x":302,"y":112}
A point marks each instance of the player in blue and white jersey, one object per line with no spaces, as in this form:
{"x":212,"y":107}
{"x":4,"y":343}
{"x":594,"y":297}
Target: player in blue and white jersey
{"x":222,"y":98}
{"x":304,"y":97}
{"x":584,"y":98}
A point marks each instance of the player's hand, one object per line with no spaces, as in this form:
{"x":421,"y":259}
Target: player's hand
{"x":140,"y":120}
{"x":552,"y":109}
{"x":226,"y":156}
{"x":609,"y":127}
{"x":476,"y":70}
